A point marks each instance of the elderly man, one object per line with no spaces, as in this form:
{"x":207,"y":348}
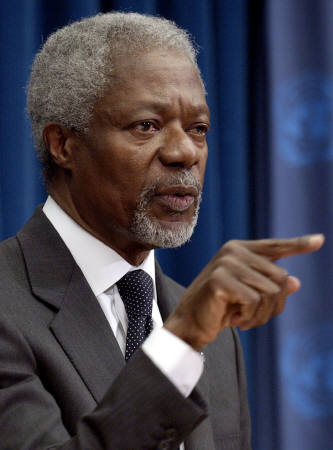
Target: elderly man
{"x":120,"y":121}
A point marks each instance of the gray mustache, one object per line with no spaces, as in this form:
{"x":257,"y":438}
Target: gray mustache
{"x":184,"y":178}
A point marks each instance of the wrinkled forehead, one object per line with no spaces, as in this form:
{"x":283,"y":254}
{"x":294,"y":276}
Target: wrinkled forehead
{"x":156,"y":81}
{"x":168,"y":65}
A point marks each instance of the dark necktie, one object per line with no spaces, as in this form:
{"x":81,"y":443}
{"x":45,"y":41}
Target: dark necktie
{"x":136,"y":291}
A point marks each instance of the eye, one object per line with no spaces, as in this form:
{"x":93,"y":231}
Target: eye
{"x":145,"y":126}
{"x":200,"y":129}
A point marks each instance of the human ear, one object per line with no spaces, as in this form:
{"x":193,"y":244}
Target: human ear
{"x":60,"y":142}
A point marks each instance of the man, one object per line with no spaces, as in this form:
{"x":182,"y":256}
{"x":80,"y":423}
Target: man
{"x":120,"y":120}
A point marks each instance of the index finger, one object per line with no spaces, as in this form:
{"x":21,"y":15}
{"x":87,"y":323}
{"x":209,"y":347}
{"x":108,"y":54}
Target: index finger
{"x":282,"y":248}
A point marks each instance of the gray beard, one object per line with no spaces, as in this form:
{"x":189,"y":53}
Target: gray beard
{"x":149,"y":231}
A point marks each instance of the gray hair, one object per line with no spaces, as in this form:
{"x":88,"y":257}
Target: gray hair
{"x":73,"y":70}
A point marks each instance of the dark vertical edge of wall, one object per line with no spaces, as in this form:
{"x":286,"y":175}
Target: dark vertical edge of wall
{"x":259,"y":141}
{"x":264,"y":398}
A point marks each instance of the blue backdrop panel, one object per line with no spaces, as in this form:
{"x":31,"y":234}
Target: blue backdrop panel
{"x":19,"y":179}
{"x":301,"y":81}
{"x":24,"y":27}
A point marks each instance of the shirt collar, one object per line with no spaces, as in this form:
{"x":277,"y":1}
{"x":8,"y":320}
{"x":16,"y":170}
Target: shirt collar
{"x":100,"y":264}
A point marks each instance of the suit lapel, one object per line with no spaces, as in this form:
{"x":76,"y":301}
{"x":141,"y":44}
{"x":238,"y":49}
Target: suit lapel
{"x":169,"y":294}
{"x":79,"y":324}
{"x":85,"y":335}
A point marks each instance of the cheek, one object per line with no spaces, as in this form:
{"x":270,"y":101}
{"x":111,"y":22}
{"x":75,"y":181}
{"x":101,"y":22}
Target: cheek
{"x":133,"y":174}
{"x":123,"y":165}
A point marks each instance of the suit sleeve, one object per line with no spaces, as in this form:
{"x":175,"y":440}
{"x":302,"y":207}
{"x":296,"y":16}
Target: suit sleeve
{"x":141,"y":409}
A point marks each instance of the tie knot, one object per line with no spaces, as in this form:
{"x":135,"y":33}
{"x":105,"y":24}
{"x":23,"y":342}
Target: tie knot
{"x":136,"y":291}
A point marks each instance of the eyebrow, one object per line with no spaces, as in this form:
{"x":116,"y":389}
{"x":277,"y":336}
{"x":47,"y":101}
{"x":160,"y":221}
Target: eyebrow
{"x":164,"y":106}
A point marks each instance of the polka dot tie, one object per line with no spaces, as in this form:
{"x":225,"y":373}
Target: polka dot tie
{"x":136,"y":291}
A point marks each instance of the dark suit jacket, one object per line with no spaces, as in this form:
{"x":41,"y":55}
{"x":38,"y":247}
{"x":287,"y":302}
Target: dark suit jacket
{"x":63,"y":380}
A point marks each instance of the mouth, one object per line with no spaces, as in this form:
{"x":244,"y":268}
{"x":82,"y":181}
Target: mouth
{"x":177,"y":198}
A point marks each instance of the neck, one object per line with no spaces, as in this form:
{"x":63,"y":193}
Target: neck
{"x":133,"y":252}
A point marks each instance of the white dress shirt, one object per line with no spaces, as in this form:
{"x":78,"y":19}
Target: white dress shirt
{"x":102,"y":268}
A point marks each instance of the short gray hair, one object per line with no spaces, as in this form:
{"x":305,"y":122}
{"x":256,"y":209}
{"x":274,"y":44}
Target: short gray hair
{"x":73,"y":70}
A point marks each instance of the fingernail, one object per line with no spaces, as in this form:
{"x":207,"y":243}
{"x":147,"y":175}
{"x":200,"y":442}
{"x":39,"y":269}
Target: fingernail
{"x":317,"y":239}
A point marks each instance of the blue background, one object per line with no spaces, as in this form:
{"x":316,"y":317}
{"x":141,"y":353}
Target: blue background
{"x":269,"y":76}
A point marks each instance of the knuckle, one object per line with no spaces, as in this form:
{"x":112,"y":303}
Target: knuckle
{"x":231,"y":246}
{"x":229,"y":261}
{"x":279,"y":307}
{"x":256,"y":322}
{"x":253,"y":296}
{"x":263,"y":320}
{"x":280,"y":275}
{"x":301,"y":242}
{"x":273,"y":290}
{"x":237,"y":297}
{"x":249,"y":299}
{"x":214,"y":282}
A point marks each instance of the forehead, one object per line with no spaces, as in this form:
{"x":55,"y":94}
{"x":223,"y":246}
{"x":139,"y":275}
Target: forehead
{"x":154,"y":63}
{"x":158,"y":80}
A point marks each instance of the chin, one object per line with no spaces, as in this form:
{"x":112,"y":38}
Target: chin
{"x":162,"y":233}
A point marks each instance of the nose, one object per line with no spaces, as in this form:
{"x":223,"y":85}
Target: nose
{"x":178,"y":149}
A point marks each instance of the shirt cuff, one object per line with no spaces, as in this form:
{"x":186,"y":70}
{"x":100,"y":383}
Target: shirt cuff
{"x":179,"y":362}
